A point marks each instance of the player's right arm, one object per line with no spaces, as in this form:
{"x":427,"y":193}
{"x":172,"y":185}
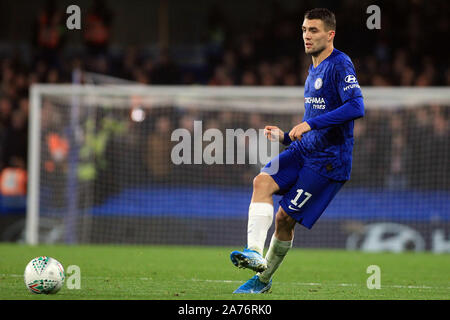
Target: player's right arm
{"x":273,"y":133}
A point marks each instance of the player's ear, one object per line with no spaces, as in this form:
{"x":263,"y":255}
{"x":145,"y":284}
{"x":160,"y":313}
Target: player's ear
{"x":331,"y":35}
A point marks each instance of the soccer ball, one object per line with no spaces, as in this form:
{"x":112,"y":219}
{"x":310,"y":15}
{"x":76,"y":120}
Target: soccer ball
{"x":44,"y":275}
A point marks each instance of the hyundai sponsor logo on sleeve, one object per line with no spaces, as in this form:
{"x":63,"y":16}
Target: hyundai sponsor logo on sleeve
{"x":351,"y":79}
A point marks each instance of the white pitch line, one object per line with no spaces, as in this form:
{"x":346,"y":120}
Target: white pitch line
{"x":11,"y":275}
{"x":291,"y":283}
{"x":329,"y":284}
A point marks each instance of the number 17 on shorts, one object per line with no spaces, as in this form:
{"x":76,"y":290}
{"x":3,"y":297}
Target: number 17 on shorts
{"x":309,"y":197}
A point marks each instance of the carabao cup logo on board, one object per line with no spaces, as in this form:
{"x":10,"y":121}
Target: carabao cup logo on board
{"x":350,"y":79}
{"x":236,"y":146}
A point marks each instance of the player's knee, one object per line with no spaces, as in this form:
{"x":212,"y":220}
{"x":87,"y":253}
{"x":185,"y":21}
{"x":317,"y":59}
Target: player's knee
{"x":263,"y":183}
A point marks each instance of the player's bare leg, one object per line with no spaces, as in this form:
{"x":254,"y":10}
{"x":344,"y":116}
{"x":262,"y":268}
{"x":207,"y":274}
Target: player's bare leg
{"x":263,"y":188}
{"x":284,"y":226}
{"x":260,"y":217}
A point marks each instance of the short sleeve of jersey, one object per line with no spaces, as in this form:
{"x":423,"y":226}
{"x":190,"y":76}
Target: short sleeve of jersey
{"x":346,"y":81}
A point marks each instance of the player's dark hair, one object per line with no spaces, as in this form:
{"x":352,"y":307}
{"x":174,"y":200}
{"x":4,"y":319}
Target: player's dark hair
{"x":328,"y":17}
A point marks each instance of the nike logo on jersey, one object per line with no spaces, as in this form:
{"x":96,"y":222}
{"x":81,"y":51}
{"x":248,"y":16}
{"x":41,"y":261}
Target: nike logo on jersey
{"x":292,"y":208}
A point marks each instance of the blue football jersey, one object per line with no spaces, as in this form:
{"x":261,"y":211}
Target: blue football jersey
{"x":327,"y":149}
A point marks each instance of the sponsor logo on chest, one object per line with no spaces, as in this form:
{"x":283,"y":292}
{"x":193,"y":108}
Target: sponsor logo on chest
{"x":317,"y":102}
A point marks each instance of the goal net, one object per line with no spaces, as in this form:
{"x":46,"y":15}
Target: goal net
{"x":130,"y":164}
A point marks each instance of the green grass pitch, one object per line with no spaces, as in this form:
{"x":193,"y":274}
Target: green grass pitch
{"x":206,"y":273}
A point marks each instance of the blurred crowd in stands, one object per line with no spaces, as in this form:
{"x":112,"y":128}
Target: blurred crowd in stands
{"x":395,"y":150}
{"x":403,"y":53}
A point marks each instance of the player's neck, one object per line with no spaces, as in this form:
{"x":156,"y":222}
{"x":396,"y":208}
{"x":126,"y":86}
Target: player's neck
{"x":322,"y":56}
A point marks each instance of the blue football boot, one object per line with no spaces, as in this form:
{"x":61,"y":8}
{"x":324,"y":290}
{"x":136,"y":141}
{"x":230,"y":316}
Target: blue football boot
{"x":249,"y":259}
{"x":254,"y":285}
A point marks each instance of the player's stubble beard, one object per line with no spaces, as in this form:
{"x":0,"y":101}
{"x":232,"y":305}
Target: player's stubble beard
{"x":316,"y":53}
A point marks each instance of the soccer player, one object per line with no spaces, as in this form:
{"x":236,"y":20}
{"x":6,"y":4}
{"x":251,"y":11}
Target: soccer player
{"x":317,"y":163}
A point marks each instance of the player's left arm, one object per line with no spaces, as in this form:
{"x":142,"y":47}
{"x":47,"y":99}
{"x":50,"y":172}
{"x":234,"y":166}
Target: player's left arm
{"x":352,"y":108}
{"x":350,"y":94}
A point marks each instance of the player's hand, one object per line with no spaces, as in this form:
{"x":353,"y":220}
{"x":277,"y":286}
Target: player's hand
{"x":274,"y":133}
{"x":300,"y":129}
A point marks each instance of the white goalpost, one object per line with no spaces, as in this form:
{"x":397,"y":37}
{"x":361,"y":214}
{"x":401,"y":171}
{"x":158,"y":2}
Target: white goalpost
{"x":101,"y":166}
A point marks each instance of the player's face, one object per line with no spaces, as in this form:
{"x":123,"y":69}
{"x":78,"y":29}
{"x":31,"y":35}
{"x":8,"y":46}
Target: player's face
{"x":315,"y":36}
